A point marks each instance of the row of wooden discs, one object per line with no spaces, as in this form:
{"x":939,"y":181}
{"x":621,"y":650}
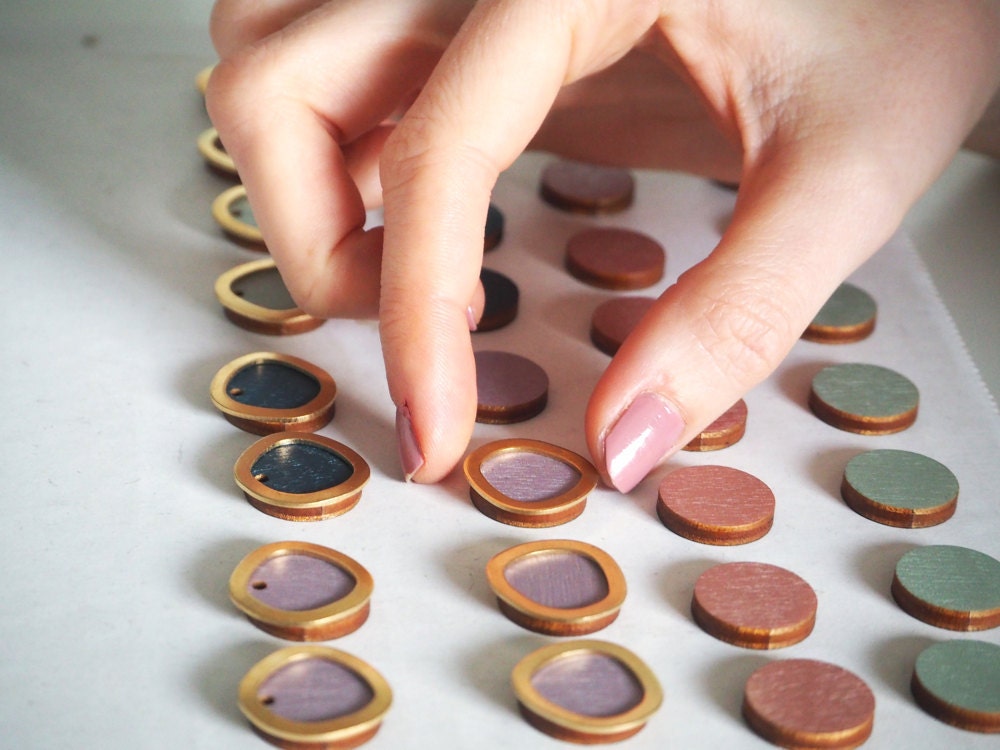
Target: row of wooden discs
{"x":598,"y":257}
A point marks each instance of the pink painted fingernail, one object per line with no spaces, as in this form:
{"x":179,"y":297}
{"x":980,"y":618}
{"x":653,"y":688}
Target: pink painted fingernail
{"x":643,"y":434}
{"x":409,"y":451}
{"x":470,"y":315}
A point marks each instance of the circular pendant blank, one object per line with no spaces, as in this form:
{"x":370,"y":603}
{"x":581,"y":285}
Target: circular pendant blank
{"x":301,"y":477}
{"x":723,"y":432}
{"x":302,"y":591}
{"x":232,"y":211}
{"x":254,"y":297}
{"x":586,"y":691}
{"x":958,"y":682}
{"x":613,"y":320}
{"x":612,"y":258}
{"x":501,"y":301}
{"x":266,"y":392}
{"x":848,"y":316}
{"x":530,"y":483}
{"x":314,"y":698}
{"x":510,"y":388}
{"x":586,"y":188}
{"x":557,"y":587}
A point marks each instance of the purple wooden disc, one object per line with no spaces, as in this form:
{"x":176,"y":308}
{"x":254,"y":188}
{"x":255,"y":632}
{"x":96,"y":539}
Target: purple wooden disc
{"x":299,"y":582}
{"x":589,"y":683}
{"x":562,"y":579}
{"x":314,"y":690}
{"x":511,"y":388}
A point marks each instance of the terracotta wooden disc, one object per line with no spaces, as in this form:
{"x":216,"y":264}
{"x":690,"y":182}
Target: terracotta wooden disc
{"x":802,"y":703}
{"x":848,"y":316}
{"x":615,"y":319}
{"x":511,"y":388}
{"x":862,"y":398}
{"x":614,"y":258}
{"x":754,"y":605}
{"x":950,"y":587}
{"x":502,"y":298}
{"x":724,"y":431}
{"x":715,"y":505}
{"x":586,"y":188}
{"x":900,"y":488}
{"x":958,"y":682}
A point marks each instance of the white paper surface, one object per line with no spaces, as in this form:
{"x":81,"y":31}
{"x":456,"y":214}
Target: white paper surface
{"x":121,"y":522}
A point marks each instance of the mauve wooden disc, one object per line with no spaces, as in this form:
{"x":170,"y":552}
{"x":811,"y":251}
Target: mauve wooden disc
{"x":511,"y":388}
{"x":586,"y":188}
{"x":754,"y":605}
{"x":803,"y":703}
{"x":615,"y":319}
{"x":723,"y":432}
{"x":715,"y":505}
{"x":615,"y":258}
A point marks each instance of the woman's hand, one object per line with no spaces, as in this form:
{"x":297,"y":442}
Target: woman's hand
{"x":834,"y":116}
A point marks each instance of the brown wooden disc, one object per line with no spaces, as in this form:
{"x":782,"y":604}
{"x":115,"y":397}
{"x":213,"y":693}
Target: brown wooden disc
{"x":510,"y":388}
{"x":614,"y":319}
{"x":723,"y":432}
{"x":615,"y":258}
{"x":586,"y":188}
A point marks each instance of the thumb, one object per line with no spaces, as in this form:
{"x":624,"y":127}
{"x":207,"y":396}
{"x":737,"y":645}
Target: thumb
{"x":797,"y":232}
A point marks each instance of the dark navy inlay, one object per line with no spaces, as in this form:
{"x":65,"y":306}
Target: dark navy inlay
{"x":494,"y":226}
{"x":272,"y":385}
{"x":301,"y":468}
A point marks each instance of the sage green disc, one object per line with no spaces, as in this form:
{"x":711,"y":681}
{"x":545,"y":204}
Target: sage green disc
{"x":949,"y":587}
{"x":958,"y":682}
{"x":849,"y":315}
{"x":862,"y":398}
{"x":900,"y":488}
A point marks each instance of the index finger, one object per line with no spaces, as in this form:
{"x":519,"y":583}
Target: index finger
{"x":480,"y":108}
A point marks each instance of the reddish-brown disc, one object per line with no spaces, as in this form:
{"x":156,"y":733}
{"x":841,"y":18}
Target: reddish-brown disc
{"x":724,"y":431}
{"x":615,"y":319}
{"x":754,"y":605}
{"x":511,"y":388}
{"x":715,"y":505}
{"x":614,"y":258}
{"x":803,"y":703}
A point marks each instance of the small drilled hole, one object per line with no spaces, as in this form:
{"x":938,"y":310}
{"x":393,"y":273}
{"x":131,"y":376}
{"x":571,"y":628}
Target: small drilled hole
{"x":235,"y":391}
{"x":261,"y":477}
{"x":267,"y":700}
{"x":239,"y":292}
{"x":259,"y":585}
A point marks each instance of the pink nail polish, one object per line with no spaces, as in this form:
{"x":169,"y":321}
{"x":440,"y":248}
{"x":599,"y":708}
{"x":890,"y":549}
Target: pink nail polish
{"x":409,"y":451}
{"x":470,"y":315}
{"x":643,"y":434}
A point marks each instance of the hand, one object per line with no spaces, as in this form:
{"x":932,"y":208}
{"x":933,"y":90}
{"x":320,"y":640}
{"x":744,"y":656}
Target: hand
{"x":834,"y":116}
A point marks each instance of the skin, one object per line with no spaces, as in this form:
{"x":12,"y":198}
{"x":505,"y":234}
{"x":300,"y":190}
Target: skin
{"x":834,"y":116}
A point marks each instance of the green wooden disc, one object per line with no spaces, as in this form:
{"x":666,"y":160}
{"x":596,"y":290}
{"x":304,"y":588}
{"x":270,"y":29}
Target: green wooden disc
{"x":849,"y":315}
{"x":900,"y":488}
{"x":950,"y":587}
{"x":863,"y":398}
{"x":958,"y":682}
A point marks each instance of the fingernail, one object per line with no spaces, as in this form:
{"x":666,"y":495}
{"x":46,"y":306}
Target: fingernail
{"x":409,"y":451}
{"x":470,"y":315}
{"x":643,"y":434}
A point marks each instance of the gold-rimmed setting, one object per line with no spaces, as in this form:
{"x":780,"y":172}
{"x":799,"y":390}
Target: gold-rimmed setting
{"x":347,"y":731}
{"x":258,"y":318}
{"x":262,"y":420}
{"x":550,"y":511}
{"x":565,"y":724}
{"x":301,"y":506}
{"x":333,"y":620}
{"x":549,"y":620}
{"x":214,"y":153}
{"x":243,"y":232}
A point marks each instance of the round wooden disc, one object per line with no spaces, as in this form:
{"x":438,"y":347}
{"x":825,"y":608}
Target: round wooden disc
{"x":510,"y":388}
{"x":848,"y":316}
{"x":723,"y":432}
{"x":614,"y":258}
{"x":862,"y":398}
{"x":958,"y":682}
{"x":900,"y":488}
{"x":754,"y":605}
{"x":715,"y":505}
{"x":586,"y":188}
{"x":502,"y":297}
{"x":949,"y":587}
{"x":493,"y":233}
{"x":614,"y":319}
{"x":802,"y":703}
